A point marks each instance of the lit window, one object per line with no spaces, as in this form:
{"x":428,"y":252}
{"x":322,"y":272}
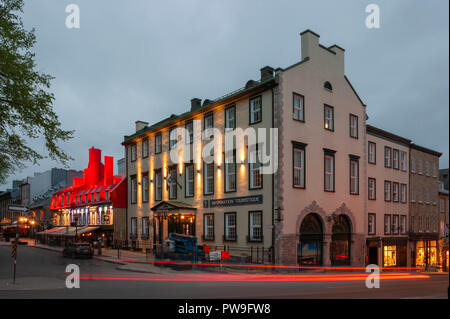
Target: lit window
{"x":298,"y":107}
{"x":390,"y":256}
{"x":255,"y":110}
{"x":329,"y":117}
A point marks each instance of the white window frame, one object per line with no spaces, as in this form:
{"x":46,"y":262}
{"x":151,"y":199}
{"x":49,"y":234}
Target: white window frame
{"x":328,"y":117}
{"x":230,"y":226}
{"x":208,"y":180}
{"x":329,"y":173}
{"x":299,"y":170}
{"x":189,"y":180}
{"x":298,"y":107}
{"x":230,"y":118}
{"x":372,"y":188}
{"x":372,"y":153}
{"x":255,"y":227}
{"x":230,"y":175}
{"x":387,"y":224}
{"x":371,"y":223}
{"x":403,"y":162}
{"x":255,"y":110}
{"x":403,"y":192}
{"x":354,"y":176}
{"x":387,"y":192}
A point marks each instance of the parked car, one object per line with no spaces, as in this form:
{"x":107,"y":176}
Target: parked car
{"x":78,"y":250}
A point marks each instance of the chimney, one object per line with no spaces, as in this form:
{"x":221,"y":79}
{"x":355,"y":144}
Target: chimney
{"x":266,"y":72}
{"x":108,"y":175}
{"x":140,"y":125}
{"x":196,"y":104}
{"x":94,"y":165}
{"x":340,"y":53}
{"x":310,"y":43}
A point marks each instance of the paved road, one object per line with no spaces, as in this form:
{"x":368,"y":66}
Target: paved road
{"x":41,"y":274}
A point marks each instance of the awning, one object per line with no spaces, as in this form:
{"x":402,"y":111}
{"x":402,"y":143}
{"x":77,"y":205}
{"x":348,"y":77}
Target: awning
{"x":72,"y":231}
{"x":172,"y":206}
{"x":49,"y":231}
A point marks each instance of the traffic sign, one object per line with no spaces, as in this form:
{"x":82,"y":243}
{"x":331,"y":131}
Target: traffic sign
{"x":14,"y":250}
{"x":18,"y":208}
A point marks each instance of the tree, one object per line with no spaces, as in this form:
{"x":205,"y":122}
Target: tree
{"x":26,"y":106}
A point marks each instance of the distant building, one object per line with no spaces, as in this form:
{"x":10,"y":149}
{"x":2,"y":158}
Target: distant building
{"x":443,"y":177}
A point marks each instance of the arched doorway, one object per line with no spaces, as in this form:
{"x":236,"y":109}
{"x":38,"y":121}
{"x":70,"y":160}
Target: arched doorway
{"x":311,"y":238}
{"x":341,"y":241}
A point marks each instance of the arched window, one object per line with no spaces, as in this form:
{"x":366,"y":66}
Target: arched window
{"x":340,"y":241}
{"x":328,"y":86}
{"x":311,"y":237}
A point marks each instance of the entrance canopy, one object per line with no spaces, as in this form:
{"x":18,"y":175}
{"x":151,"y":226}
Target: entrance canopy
{"x":71,"y":231}
{"x":172,"y":207}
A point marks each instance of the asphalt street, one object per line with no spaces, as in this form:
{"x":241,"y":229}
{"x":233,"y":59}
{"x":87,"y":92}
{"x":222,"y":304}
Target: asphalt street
{"x":41,"y":274}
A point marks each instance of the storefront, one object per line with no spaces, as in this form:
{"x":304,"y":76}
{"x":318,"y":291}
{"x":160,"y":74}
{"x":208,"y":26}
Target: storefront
{"x":425,"y":250}
{"x":311,"y":238}
{"x":373,"y":244}
{"x":395,"y":252}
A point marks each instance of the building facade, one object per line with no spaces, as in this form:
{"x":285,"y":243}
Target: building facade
{"x":443,"y":224}
{"x":387,"y":198}
{"x":424,"y":207}
{"x":339,"y":195}
{"x":94,"y":205}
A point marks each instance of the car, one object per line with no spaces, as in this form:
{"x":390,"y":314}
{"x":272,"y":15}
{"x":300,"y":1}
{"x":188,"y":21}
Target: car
{"x":74,"y":250}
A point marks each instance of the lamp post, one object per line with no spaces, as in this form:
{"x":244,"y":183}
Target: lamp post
{"x":162,"y":217}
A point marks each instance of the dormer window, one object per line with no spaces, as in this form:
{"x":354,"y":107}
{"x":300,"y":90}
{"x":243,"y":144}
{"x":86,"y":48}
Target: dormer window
{"x":328,"y":86}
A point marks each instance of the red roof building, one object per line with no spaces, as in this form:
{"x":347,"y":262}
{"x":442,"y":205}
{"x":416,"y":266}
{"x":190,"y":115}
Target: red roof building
{"x":92,"y":201}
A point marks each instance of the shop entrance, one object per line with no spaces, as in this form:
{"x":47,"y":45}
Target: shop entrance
{"x":181,"y":224}
{"x":341,"y":241}
{"x":373,"y":255}
{"x":311,"y":237}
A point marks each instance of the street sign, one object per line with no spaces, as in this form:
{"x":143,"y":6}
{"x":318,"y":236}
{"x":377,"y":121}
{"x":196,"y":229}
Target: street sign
{"x":14,"y":250}
{"x":18,"y":208}
{"x":214,"y":255}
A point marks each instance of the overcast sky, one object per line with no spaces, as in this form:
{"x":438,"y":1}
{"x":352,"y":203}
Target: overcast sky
{"x":144,"y":60}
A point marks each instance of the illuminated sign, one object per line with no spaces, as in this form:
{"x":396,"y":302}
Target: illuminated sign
{"x":235,"y":201}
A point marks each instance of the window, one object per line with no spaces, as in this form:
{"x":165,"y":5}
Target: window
{"x":298,"y":161}
{"x":434,"y":170}
{"x":133,"y":225}
{"x":145,"y":148}
{"x":327,"y":85}
{"x":86,"y":198}
{"x":403,"y":161}
{"x":208,"y":180}
{"x":372,"y":188}
{"x":427,"y":196}
{"x":208,"y":123}
{"x":254,"y":171}
{"x":172,"y":182}
{"x":106,"y":195}
{"x":173,"y":137}
{"x":328,"y":112}
{"x":133,"y":152}
{"x":390,"y":256}
{"x":208,"y":227}
{"x":372,"y":153}
{"x":189,"y":175}
{"x":230,"y":174}
{"x":329,"y":171}
{"x":387,"y":224}
{"x":158,"y":143}
{"x":442,"y":205}
{"x":298,"y":107}
{"x":353,"y":126}
{"x":403,"y":224}
{"x":395,"y":192}
{"x":387,"y":156}
{"x":97,"y":197}
{"x":387,"y":191}
{"x":371,"y":224}
{"x":419,"y":166}
{"x":354,"y":175}
{"x":158,"y":185}
{"x":133,"y":189}
{"x":395,"y":163}
{"x":230,"y":118}
{"x":145,"y":190}
{"x":145,"y":228}
{"x":403,"y":193}
{"x":255,"y":226}
{"x":255,"y":110}
{"x":68,"y":199}
{"x":395,"y":226}
{"x":427,"y":168}
{"x":413,"y":165}
{"x":189,"y":132}
{"x":230,"y":227}
{"x":413,"y":194}
{"x":419,"y":195}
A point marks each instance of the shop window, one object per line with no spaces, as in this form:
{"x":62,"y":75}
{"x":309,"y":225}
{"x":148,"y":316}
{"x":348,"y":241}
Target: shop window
{"x":390,"y":256}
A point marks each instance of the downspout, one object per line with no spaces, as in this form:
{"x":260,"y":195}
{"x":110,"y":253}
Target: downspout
{"x":273,"y":186}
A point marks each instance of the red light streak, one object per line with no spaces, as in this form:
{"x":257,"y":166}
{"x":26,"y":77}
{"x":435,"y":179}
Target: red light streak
{"x":253,"y":266}
{"x":254,"y":278}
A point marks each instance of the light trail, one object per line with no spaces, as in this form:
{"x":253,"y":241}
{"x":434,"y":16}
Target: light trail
{"x":247,"y":277}
{"x":252,"y":266}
